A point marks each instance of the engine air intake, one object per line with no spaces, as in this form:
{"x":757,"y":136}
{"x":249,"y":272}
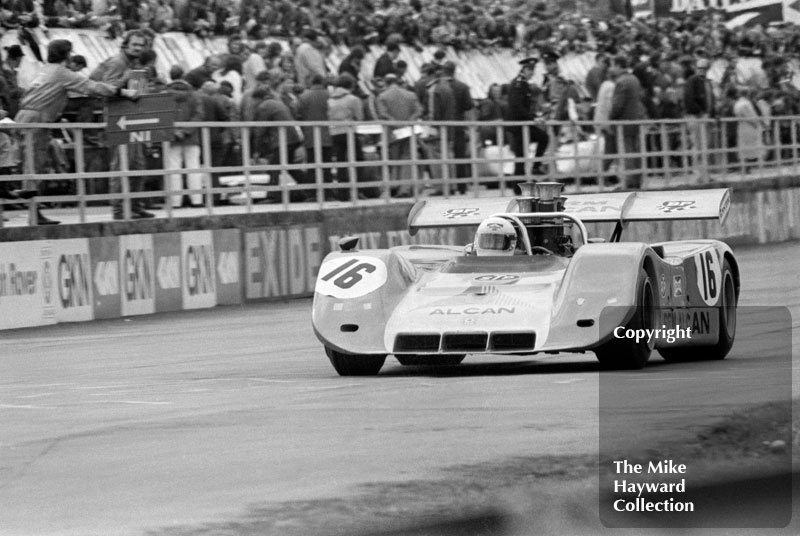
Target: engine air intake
{"x":464,"y":342}
{"x":416,"y":342}
{"x":508,"y":342}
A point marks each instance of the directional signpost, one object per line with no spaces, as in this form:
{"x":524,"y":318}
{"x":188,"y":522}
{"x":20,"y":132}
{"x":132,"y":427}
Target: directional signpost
{"x":150,"y":119}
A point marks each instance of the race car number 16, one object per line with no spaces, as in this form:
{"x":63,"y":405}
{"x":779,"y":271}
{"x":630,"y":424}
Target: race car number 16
{"x":709,"y":275}
{"x":351,"y":277}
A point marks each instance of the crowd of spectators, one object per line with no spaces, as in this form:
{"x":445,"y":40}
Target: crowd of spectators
{"x":641,"y":69}
{"x":518,"y":24}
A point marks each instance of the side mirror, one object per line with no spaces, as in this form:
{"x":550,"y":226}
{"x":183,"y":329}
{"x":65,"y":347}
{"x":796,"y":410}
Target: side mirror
{"x":469,"y":249}
{"x":348,"y":243}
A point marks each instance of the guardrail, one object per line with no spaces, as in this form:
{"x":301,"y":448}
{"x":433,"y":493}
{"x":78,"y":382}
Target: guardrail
{"x":392,"y":159}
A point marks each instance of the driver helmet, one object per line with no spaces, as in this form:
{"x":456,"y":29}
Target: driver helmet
{"x":495,"y":236}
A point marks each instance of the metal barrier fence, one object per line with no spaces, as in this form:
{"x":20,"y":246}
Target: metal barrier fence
{"x":388,"y":160}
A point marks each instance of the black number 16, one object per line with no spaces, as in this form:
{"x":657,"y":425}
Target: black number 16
{"x":709,"y":282}
{"x":351,"y":276}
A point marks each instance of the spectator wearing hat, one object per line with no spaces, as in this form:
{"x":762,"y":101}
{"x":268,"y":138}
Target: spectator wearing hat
{"x":396,"y":103}
{"x":559,"y":91}
{"x":308,"y":58}
{"x":10,"y":91}
{"x":627,"y":105}
{"x":521,"y":104}
{"x":698,"y":101}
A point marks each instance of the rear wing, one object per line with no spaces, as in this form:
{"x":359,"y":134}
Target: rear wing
{"x":619,"y":207}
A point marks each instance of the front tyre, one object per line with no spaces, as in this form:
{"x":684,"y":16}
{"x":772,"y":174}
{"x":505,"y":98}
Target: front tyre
{"x":355,"y":364}
{"x":627,"y":353}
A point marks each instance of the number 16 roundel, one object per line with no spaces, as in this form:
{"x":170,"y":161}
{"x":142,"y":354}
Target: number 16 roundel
{"x":351,"y":277}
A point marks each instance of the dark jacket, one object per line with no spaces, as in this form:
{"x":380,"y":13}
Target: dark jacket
{"x":520,"y":99}
{"x":383,"y":66}
{"x":266,"y":140}
{"x":312,"y":105}
{"x":627,"y":103}
{"x":215,"y":109}
{"x":190,"y":108}
{"x":698,"y":99}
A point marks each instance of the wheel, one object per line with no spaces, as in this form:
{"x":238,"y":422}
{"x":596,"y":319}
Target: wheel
{"x":408,"y":360}
{"x":627,"y":353}
{"x":355,"y":364}
{"x":727,"y":327}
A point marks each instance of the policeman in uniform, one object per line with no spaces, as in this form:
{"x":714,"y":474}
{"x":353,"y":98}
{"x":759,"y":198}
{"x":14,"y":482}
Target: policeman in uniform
{"x":521,"y":107}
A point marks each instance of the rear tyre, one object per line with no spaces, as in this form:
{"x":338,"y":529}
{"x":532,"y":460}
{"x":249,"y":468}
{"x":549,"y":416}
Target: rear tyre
{"x":355,"y":364}
{"x":627,"y":353}
{"x":409,"y":360}
{"x":727,"y":327}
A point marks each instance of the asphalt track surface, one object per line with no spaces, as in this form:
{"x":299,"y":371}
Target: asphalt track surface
{"x":222,"y":421}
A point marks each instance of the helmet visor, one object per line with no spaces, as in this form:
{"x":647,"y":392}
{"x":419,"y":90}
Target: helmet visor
{"x":496,"y":242}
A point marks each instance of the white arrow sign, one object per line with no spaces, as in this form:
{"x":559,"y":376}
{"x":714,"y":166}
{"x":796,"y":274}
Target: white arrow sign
{"x":168,"y":272}
{"x":124,"y":122}
{"x":228,"y":267}
{"x":106,"y":278}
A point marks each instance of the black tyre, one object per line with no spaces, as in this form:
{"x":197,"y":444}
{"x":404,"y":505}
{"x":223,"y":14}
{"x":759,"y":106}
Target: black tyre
{"x":355,"y":364}
{"x":408,"y":360}
{"x":727,"y":327}
{"x":627,"y":353}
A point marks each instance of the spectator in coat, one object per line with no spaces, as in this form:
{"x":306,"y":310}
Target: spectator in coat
{"x":10,"y":91}
{"x":627,"y":105}
{"x":749,"y":129}
{"x":463,"y":107}
{"x":205,"y":72}
{"x":215,"y":109}
{"x":597,"y":74}
{"x":184,"y":150}
{"x":351,"y":65}
{"x":602,"y":113}
{"x":396,"y":103}
{"x":312,"y":106}
{"x":698,"y":101}
{"x":254,"y":64}
{"x":385,"y":63}
{"x":344,"y":107}
{"x":116,"y":71}
{"x":267,"y":139}
{"x":231,"y":70}
{"x":521,"y":107}
{"x":309,"y":59}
